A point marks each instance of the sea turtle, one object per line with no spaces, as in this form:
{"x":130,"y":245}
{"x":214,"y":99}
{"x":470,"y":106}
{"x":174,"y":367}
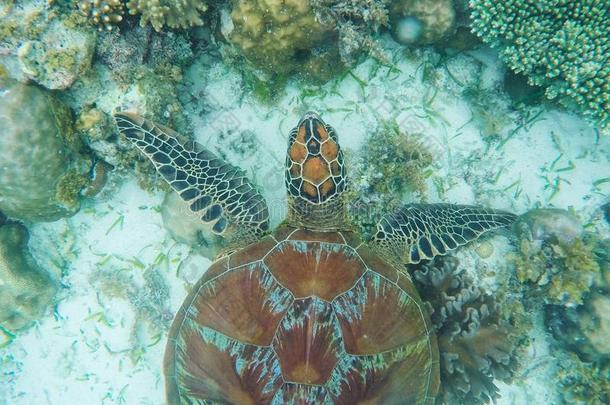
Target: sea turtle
{"x":308,"y":313}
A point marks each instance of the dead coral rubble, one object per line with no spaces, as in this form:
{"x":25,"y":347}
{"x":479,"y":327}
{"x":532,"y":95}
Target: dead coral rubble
{"x":476,"y":339}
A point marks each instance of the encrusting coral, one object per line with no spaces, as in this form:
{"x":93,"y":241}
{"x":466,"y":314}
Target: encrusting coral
{"x":44,"y":44}
{"x":556,"y":256}
{"x":561,"y":45}
{"x":477,"y":341}
{"x":43,"y":172}
{"x":26,"y":290}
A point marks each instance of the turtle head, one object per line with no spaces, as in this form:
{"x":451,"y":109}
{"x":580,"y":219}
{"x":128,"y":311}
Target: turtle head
{"x":315,"y":175}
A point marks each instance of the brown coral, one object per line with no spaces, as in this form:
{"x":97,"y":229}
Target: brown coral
{"x":283,"y":37}
{"x":105,"y":14}
{"x":475,"y":339}
{"x":173,"y":13}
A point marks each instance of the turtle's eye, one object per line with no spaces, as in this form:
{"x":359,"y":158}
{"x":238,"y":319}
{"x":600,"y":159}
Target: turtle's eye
{"x":314,"y":166}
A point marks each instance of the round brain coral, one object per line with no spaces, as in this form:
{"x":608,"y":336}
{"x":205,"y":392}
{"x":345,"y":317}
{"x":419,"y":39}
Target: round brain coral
{"x":25,"y":289}
{"x":560,"y":45}
{"x":40,"y":176}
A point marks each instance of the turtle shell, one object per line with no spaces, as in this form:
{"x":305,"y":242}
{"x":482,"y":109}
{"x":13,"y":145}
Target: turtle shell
{"x":302,"y":317}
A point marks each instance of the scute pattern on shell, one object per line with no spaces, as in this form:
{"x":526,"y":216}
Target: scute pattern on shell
{"x":343,"y":326}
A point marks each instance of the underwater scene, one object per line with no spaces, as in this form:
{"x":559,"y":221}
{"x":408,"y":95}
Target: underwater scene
{"x":305,"y":202}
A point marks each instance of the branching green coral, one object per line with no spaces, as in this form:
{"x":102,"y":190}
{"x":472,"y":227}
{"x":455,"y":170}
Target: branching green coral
{"x":173,"y":13}
{"x":561,"y":45}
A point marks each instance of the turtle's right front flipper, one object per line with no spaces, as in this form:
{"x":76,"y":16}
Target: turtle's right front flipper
{"x":221,"y":195}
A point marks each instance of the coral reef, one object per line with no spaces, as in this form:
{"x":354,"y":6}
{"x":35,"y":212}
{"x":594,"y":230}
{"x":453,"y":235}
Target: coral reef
{"x":144,"y":293}
{"x":169,"y":53}
{"x":43,"y":173}
{"x":559,"y":45}
{"x":26,"y":290}
{"x":317,"y":38}
{"x":138,"y":70}
{"x":126,"y":53}
{"x":42,"y":45}
{"x":477,"y":341}
{"x":356,"y":23}
{"x":391,"y":164}
{"x":105,"y":14}
{"x":555,"y":256}
{"x":416,"y":22}
{"x":585,"y":329}
{"x":123,"y":52}
{"x":282,"y":37}
{"x":583,"y":383}
{"x":173,"y":13}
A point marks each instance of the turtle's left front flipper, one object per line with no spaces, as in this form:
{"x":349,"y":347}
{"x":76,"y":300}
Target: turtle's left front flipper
{"x":220,"y":194}
{"x":419,"y":232}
